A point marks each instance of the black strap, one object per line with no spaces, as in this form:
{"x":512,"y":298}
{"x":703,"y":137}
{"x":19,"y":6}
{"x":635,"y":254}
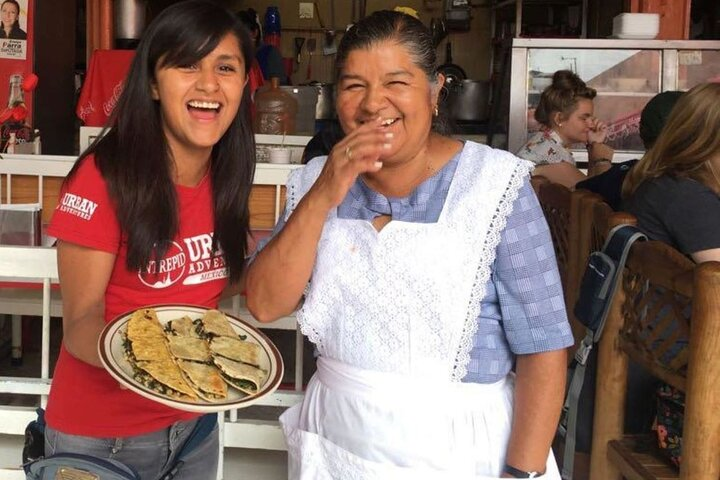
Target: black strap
{"x":617,"y":247}
{"x":203,"y":427}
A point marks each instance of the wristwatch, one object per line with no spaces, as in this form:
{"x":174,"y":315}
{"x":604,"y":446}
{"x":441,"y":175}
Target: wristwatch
{"x":517,"y":473}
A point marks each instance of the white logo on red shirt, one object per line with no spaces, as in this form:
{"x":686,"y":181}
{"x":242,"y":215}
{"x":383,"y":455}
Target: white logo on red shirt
{"x":196,"y":259}
{"x":164,"y":273}
{"x":77,"y":205}
{"x":204,"y":267}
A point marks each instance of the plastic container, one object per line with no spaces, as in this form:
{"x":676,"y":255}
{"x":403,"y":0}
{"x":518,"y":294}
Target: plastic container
{"x":279,"y":155}
{"x":275,"y":110}
{"x":636,"y":25}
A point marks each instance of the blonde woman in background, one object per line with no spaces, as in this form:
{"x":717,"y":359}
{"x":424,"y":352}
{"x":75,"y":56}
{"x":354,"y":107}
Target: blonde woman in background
{"x":566,"y":115}
{"x":674,"y":191}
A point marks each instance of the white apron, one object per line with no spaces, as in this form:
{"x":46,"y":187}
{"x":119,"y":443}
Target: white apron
{"x":393,"y":315}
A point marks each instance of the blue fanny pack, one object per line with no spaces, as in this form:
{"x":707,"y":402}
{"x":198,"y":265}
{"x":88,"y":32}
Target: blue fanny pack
{"x":77,"y":466}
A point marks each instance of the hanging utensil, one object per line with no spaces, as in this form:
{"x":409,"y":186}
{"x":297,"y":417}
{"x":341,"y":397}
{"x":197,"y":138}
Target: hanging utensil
{"x":310,"y":47}
{"x":453,"y":73}
{"x":299,"y":42}
{"x":329,"y":47}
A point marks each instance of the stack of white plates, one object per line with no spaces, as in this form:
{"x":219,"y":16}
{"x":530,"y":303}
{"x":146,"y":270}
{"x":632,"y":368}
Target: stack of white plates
{"x":636,"y":25}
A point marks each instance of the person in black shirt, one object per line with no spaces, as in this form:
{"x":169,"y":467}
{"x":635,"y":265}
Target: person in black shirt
{"x":652,"y":119}
{"x":674,"y":191}
{"x":9,"y":14}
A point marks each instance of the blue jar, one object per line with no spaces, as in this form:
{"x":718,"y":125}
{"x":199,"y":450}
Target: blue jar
{"x":272,"y":20}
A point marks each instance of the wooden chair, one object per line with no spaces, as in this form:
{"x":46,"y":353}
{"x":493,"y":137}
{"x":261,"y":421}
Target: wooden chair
{"x":536,"y":181}
{"x":663,"y":300}
{"x":565,"y":211}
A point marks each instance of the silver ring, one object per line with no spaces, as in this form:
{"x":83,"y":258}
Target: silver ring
{"x":348,"y":152}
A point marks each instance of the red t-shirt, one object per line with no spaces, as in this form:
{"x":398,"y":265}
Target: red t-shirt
{"x":86,"y":400}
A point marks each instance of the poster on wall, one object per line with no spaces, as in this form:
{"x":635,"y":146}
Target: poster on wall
{"x":14,"y":27}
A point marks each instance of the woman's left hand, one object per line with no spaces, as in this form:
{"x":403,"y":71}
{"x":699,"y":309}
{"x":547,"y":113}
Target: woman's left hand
{"x":598,"y":132}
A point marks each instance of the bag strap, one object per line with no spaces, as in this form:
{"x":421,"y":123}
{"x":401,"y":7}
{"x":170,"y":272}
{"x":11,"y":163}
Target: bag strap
{"x":617,"y":247}
{"x":203,"y":427}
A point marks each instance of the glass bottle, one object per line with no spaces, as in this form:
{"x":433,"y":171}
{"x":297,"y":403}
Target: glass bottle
{"x":16,"y":96}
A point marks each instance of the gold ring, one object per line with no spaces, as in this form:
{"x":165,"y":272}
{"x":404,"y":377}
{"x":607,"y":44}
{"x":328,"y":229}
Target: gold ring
{"x":348,"y":152}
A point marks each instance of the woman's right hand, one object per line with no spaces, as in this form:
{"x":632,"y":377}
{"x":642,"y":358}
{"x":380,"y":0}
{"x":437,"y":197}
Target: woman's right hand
{"x":598,"y":131}
{"x":357,"y":153}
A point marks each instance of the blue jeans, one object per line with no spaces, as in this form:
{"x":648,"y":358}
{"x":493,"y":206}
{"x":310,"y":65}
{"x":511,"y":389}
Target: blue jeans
{"x":149,"y":454}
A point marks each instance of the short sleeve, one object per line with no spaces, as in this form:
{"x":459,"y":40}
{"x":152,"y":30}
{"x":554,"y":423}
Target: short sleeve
{"x":85,"y":215}
{"x":541,"y":149}
{"x":527,"y":281}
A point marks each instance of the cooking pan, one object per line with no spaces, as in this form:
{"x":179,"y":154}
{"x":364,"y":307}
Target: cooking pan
{"x":453,"y":73}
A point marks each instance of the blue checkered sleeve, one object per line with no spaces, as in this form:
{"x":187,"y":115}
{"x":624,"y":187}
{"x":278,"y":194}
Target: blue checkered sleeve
{"x":523,"y":310}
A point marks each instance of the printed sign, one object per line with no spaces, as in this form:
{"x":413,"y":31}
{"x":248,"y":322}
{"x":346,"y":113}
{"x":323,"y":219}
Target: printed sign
{"x":13,"y":29}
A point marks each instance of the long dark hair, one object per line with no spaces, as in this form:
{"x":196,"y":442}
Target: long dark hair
{"x":134,"y":158}
{"x":406,"y":30}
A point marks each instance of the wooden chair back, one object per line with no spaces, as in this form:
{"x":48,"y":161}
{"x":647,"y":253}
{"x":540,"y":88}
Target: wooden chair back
{"x":536,"y":181}
{"x":664,"y":317}
{"x":555,"y":200}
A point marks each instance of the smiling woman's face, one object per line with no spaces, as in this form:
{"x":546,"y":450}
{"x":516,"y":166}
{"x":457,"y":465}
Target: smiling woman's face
{"x":9,"y":14}
{"x":383,"y":81}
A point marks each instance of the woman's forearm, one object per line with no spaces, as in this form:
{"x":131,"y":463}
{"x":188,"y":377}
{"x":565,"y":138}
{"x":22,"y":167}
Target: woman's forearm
{"x":81,"y":334}
{"x":539,"y":394}
{"x":277,"y":278}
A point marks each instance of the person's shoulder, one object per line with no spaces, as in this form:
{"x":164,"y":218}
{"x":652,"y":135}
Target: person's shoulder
{"x":673,"y":187}
{"x":308,"y":173}
{"x":87,"y":167}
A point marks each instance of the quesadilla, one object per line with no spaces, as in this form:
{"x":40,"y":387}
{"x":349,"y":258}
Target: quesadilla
{"x":146,"y":350}
{"x":215,"y":323}
{"x":242,"y":376}
{"x":184,"y":327}
{"x":164,"y":377}
{"x":204,"y":379}
{"x":235,"y":349}
{"x":144,"y":323}
{"x":189,"y":348}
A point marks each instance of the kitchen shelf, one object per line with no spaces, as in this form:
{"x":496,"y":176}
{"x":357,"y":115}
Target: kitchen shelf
{"x":520,"y":4}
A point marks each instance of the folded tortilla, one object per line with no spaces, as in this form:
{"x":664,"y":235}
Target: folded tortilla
{"x":242,"y":376}
{"x":236,"y":349}
{"x":215,"y":323}
{"x":183,"y":327}
{"x":189,"y":348}
{"x":147,"y":351}
{"x":144,"y":323}
{"x":204,"y":379}
{"x":168,"y":379}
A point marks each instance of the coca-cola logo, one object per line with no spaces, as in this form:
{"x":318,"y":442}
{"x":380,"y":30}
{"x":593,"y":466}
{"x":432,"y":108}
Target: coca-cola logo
{"x":109,"y":105}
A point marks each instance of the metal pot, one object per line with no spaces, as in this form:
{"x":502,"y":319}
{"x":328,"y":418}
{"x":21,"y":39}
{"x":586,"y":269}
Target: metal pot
{"x":468,"y":99}
{"x":325,"y":107}
{"x":129,"y":18}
